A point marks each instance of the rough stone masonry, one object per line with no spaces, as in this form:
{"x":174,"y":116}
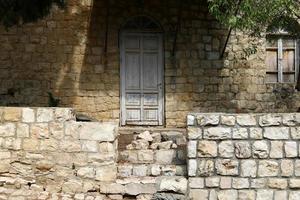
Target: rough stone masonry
{"x":244,"y":156}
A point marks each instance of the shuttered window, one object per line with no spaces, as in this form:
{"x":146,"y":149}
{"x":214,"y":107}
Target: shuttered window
{"x":281,"y":60}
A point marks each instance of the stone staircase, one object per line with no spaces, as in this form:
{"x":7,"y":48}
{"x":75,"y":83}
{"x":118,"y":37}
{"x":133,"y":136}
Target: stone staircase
{"x":151,"y":161}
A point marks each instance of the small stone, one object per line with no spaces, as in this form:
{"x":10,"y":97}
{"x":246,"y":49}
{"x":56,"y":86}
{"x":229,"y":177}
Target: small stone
{"x":72,"y":186}
{"x":125,"y":170}
{"x":239,"y":133}
{"x":270,"y":120}
{"x":227,"y":120}
{"x":246,"y":120}
{"x":242,"y":150}
{"x":280,"y":195}
{"x":258,"y":183}
{"x":276,"y":149}
{"x":192,"y":149}
{"x":165,"y":145}
{"x":297,"y":167}
{"x":192,"y":167}
{"x":295,"y":132}
{"x":39,"y":130}
{"x":260,"y":149}
{"x":165,"y":156}
{"x":140,"y":170}
{"x":173,"y":184}
{"x":248,"y":168}
{"x":287,"y":168}
{"x":227,"y":167}
{"x":240,"y":183}
{"x":228,"y":194}
{"x":205,"y":167}
{"x":294,"y":195}
{"x":86,"y":172}
{"x":112,"y":188}
{"x":289,"y":119}
{"x":208,"y":119}
{"x":217,"y":133}
{"x":145,"y":156}
{"x":155,"y":170}
{"x":264,"y":195}
{"x":28,"y":115}
{"x":256,"y":133}
{"x":7,"y":130}
{"x":196,"y":183}
{"x":276,"y":133}
{"x":246,"y":195}
{"x":12,"y":114}
{"x":268,"y":168}
{"x":225,"y":182}
{"x":145,"y":136}
{"x":212,"y":182}
{"x":198,"y":194}
{"x":226,"y":149}
{"x":156,"y":137}
{"x":207,"y":149}
{"x":190,"y":120}
{"x":194,"y":133}
{"x":139,"y":144}
{"x":44,"y":115}
{"x":277,"y":183}
{"x":106,"y":173}
{"x":290,"y":149}
{"x":294,"y":183}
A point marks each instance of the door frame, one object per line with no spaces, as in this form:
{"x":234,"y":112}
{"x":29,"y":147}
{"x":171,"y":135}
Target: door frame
{"x":161,"y":92}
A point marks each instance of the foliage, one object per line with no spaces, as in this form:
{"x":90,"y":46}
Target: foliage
{"x":257,"y":15}
{"x":13,"y":12}
{"x":52,"y":101}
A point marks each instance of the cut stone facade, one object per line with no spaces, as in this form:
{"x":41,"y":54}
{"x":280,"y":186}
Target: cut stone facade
{"x":65,"y":54}
{"x":243,"y":156}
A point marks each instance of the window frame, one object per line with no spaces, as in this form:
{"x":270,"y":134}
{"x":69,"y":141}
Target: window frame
{"x":279,"y":37}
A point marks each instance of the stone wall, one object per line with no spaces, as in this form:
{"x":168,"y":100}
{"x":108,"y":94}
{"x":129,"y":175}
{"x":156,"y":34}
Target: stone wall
{"x":244,"y":156}
{"x":65,"y":54}
{"x":46,"y":154}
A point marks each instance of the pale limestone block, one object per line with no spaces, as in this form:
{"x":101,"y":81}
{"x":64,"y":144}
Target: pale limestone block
{"x":240,"y":183}
{"x":242,"y":149}
{"x":270,"y":120}
{"x":276,"y":149}
{"x":258,"y":183}
{"x":28,"y":115}
{"x":106,"y":173}
{"x":264,"y":195}
{"x":57,"y":130}
{"x":198,"y":194}
{"x":228,"y":120}
{"x":89,"y":146}
{"x":205,"y":167}
{"x":246,"y":195}
{"x":194,"y":133}
{"x":256,"y":133}
{"x":104,"y":131}
{"x":112,"y":188}
{"x":190,"y":120}
{"x":260,"y":149}
{"x":12,"y":143}
{"x":70,"y":146}
{"x":192,"y":167}
{"x":294,"y":183}
{"x":173,"y":184}
{"x":212,"y":182}
{"x":208,"y":119}
{"x":227,"y":167}
{"x":22,"y":130}
{"x":192,"y":149}
{"x":49,"y":145}
{"x":280,"y":195}
{"x":225,"y":182}
{"x":289,"y":119}
{"x":277,"y":183}
{"x":239,"y":133}
{"x":287,"y":168}
{"x":297,"y":167}
{"x":196,"y":183}
{"x":290,"y":149}
{"x":217,"y":133}
{"x":207,"y":149}
{"x":295,"y":132}
{"x":44,"y":115}
{"x":31,"y":144}
{"x":12,"y":114}
{"x":226,"y":149}
{"x":164,"y":156}
{"x":145,"y":156}
{"x":7,"y":130}
{"x":228,"y":194}
{"x":267,"y":168}
{"x":155,"y":170}
{"x":5,"y":155}
{"x":139,"y":170}
{"x":294,"y":195}
{"x":248,"y":168}
{"x":125,"y":170}
{"x":276,"y":133}
{"x":39,"y":130}
{"x":246,"y":120}
{"x":86,"y":172}
{"x":64,"y":114}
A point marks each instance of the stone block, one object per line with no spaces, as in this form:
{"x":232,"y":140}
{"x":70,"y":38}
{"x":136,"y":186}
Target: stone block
{"x":227,"y":167}
{"x":246,"y":120}
{"x":240,"y":183}
{"x":258,"y":183}
{"x":39,"y":130}
{"x":289,"y":119}
{"x":31,"y":144}
{"x":208,"y":119}
{"x":217,"y":133}
{"x":256,"y":133}
{"x":248,"y":168}
{"x":72,"y":186}
{"x":137,"y":188}
{"x":165,"y":156}
{"x":297,"y":167}
{"x":276,"y":149}
{"x":207,"y":149}
{"x":22,"y":130}
{"x":125,"y":170}
{"x":7,"y":130}
{"x":277,"y":183}
{"x":112,"y":188}
{"x":12,"y":114}
{"x":140,"y":170}
{"x":57,"y":130}
{"x":28,"y":115}
{"x":212,"y":182}
{"x":295,"y":133}
{"x":246,"y":195}
{"x":106,"y":173}
{"x":264,"y":195}
{"x":194,"y":133}
{"x":242,"y":149}
{"x":276,"y":133}
{"x":196,"y":183}
{"x":105,"y":132}
{"x":228,"y":120}
{"x":86,"y":172}
{"x":280,"y":195}
{"x":205,"y":167}
{"x":173,"y":184}
{"x":287,"y":168}
{"x":70,"y":146}
{"x":270,"y":120}
{"x":294,"y":195}
{"x":192,"y":149}
{"x":49,"y":145}
{"x":192,"y":167}
{"x":294,"y":183}
{"x":225,"y":182}
{"x":260,"y":149}
{"x":145,"y":156}
{"x":268,"y":168}
{"x":290,"y":149}
{"x":198,"y":194}
{"x":89,"y":146}
{"x":239,"y":133}
{"x":226,"y":149}
{"x":44,"y":115}
{"x":190,"y":120}
{"x":64,"y":114}
{"x":228,"y":194}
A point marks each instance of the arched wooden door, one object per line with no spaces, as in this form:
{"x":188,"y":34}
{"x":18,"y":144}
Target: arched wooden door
{"x":142,"y":95}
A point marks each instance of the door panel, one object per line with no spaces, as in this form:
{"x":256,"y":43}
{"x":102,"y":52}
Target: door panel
{"x":141,"y":79}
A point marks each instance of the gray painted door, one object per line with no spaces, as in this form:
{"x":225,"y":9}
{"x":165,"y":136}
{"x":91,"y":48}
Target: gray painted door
{"x":141,"y":79}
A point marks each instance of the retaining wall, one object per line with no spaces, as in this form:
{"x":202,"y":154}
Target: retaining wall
{"x":244,"y":156}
